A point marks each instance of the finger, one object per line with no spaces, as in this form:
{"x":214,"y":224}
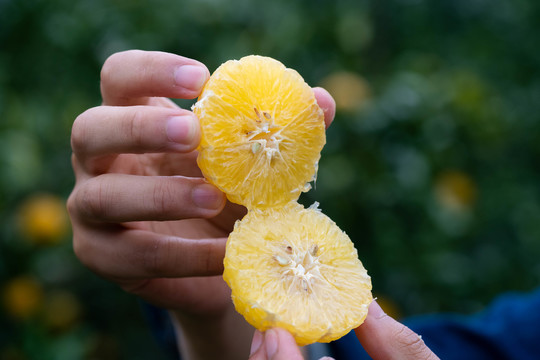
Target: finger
{"x":107,"y":130}
{"x":129,"y":76}
{"x":256,"y":343}
{"x":115,"y":198}
{"x":181,"y":293}
{"x":274,"y":344}
{"x":384,"y":338}
{"x":123,"y":254}
{"x":326,"y":103}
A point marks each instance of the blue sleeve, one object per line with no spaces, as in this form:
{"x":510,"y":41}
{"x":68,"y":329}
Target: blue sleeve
{"x":508,"y":329}
{"x":162,"y":329}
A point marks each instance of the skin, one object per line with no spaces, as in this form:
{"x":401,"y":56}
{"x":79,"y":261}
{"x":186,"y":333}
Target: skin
{"x":143,"y":216}
{"x":382,"y":337}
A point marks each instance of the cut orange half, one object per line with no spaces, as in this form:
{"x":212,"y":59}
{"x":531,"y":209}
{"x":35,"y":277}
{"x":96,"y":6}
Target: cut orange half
{"x":295,"y":269}
{"x":262,"y":132}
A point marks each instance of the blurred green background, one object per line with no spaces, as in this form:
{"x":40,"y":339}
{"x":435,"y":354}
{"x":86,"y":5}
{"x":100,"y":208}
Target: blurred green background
{"x":430,"y":166}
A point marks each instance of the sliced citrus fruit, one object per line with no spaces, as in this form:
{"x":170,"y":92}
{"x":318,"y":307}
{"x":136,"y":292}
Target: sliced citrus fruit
{"x":262,"y":132}
{"x":295,"y":269}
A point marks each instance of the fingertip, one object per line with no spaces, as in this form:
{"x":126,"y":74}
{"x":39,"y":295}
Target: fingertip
{"x":375,"y":312}
{"x":131,"y":77}
{"x":191,"y":77}
{"x":183,"y":131}
{"x":281,"y":345}
{"x":271,"y":342}
{"x":256,"y":342}
{"x":327,"y":103}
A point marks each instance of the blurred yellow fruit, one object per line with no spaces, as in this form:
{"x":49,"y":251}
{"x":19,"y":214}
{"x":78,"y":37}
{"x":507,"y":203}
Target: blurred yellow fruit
{"x":43,"y":219}
{"x":262,"y":132}
{"x":455,"y":190}
{"x":61,"y":309}
{"x":22,"y":296}
{"x":349,"y":90}
{"x":293,"y":268}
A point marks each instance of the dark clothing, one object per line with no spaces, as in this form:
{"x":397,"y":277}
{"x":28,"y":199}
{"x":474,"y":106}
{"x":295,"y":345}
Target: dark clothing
{"x":508,"y":329}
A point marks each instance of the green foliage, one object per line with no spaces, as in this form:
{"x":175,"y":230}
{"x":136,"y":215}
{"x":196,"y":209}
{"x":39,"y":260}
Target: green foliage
{"x":432,"y":172}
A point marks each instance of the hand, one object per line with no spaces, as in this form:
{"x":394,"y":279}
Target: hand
{"x":382,"y":337}
{"x":142,"y":214}
{"x":274,"y":344}
{"x":139,"y":198}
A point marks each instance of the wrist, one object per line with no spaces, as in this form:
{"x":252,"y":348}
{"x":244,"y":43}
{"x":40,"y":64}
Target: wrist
{"x":227,"y":336}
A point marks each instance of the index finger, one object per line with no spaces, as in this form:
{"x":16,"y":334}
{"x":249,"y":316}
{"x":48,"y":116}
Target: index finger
{"x":132,"y":76}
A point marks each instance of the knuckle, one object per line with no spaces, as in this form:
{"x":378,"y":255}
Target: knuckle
{"x":133,"y":127}
{"x":157,"y":256}
{"x":82,"y":250}
{"x":111,"y":65}
{"x":411,"y":343}
{"x":117,"y":61}
{"x":107,"y":70}
{"x":79,"y":132}
{"x":89,"y":254}
{"x":163,"y":198}
{"x":71,"y":204}
{"x":90,"y":199}
{"x":148,"y":66}
{"x":78,"y":247}
{"x":213,"y":257}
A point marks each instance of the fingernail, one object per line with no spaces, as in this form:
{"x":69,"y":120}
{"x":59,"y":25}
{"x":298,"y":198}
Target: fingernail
{"x":191,"y":77}
{"x":256,"y":342}
{"x":207,"y":196}
{"x":270,"y":343}
{"x":181,"y":129}
{"x":375,"y":310}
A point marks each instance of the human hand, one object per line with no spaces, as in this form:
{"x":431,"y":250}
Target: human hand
{"x":142,"y":214}
{"x":382,"y":337}
{"x":274,"y":344}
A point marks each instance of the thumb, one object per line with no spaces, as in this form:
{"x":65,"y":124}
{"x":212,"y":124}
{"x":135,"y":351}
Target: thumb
{"x":274,"y":344}
{"x":384,"y":338}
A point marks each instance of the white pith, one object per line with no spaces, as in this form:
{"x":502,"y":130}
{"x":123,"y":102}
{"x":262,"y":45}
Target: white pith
{"x":266,"y":136}
{"x":299,"y":267}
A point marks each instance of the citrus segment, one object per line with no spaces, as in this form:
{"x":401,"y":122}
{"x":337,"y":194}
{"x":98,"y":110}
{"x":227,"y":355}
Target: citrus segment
{"x":262,"y":132}
{"x":294,"y":268}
